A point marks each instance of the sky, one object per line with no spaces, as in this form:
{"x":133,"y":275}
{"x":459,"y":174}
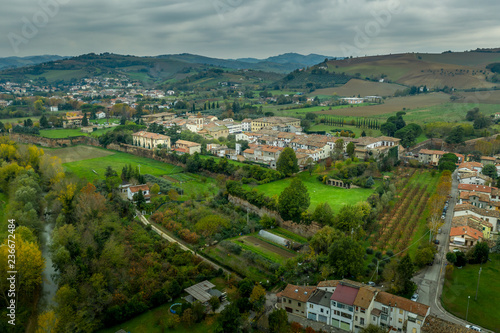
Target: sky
{"x":246,"y":28}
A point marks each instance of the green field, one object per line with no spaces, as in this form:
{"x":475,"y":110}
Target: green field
{"x":69,"y":132}
{"x":447,"y":112}
{"x":463,"y":283}
{"x":118,"y":160}
{"x":318,"y":192}
{"x":354,"y":129}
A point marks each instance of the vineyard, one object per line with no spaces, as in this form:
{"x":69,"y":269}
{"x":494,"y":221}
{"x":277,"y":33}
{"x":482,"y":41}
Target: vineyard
{"x":397,"y":225}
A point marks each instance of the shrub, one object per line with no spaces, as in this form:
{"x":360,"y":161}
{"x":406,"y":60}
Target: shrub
{"x":378,"y":254}
{"x":231,"y":247}
{"x":369,"y":250}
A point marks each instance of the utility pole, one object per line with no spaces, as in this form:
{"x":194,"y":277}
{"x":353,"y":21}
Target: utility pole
{"x":477,"y":289}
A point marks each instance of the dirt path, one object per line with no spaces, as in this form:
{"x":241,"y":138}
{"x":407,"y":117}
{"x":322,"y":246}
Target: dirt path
{"x":250,"y":240}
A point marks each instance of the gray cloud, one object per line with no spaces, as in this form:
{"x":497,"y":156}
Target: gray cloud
{"x":241,"y":28}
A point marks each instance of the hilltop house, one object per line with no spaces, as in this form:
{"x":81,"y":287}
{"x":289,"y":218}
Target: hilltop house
{"x":150,"y":140}
{"x":187,"y":147}
{"x":132,"y":190}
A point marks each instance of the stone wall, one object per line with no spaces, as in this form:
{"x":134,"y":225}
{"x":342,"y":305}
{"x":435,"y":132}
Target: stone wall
{"x":303,"y":230}
{"x":54,"y":143}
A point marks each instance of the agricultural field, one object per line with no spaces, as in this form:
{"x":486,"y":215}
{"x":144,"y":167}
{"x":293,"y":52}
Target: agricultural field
{"x":463,"y":283}
{"x":61,"y":133}
{"x":405,"y":222}
{"x":85,"y":168}
{"x":391,"y":105}
{"x":77,"y":153}
{"x":288,"y":234}
{"x":354,"y":129}
{"x":363,"y":88}
{"x":281,"y":111}
{"x":336,"y":197}
{"x":264,"y":248}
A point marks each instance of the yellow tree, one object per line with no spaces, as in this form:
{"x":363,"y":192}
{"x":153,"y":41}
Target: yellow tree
{"x":51,"y":169}
{"x":258,"y":296}
{"x":47,"y":322}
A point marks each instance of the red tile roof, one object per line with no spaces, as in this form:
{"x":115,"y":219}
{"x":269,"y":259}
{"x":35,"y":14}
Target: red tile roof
{"x":402,"y":303}
{"x":345,"y":294}
{"x":136,"y":188}
{"x":466,"y":230}
{"x":477,"y":188}
{"x":329,"y":283}
{"x":298,"y":293}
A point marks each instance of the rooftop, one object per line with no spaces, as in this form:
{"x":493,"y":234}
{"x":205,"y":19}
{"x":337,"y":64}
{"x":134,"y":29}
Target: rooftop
{"x":299,"y":293}
{"x":466,"y":230}
{"x":402,"y":303}
{"x":345,"y":294}
{"x":200,"y":291}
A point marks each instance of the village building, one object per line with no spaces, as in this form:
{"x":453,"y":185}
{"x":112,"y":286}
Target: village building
{"x":187,"y":147}
{"x":463,"y":238}
{"x":150,"y":140}
{"x":283,"y":124}
{"x":133,"y":190}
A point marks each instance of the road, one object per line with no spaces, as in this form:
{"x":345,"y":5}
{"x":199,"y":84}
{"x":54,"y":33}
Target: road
{"x":430,"y":280}
{"x":181,"y":245}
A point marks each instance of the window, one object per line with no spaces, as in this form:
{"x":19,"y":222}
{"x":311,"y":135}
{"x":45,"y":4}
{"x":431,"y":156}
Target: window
{"x":351,"y":309}
{"x":374,"y":319}
{"x":356,"y":318}
{"x":310,"y":306}
{"x":362,"y":321}
{"x":400,"y":320}
{"x":299,"y":303}
{"x":289,"y":301}
{"x":321,"y":310}
{"x":385,"y":309}
{"x":400,"y":311}
{"x":384,"y":317}
{"x":363,"y":310}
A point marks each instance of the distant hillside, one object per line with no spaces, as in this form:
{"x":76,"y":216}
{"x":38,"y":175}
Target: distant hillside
{"x":166,"y":71}
{"x":284,"y":63}
{"x":461,"y":70}
{"x":291,"y":58}
{"x":16,"y":62}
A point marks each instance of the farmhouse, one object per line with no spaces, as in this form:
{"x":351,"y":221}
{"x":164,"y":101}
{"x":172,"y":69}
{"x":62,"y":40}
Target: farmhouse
{"x":352,"y":100}
{"x":491,"y":216}
{"x":375,"y":147}
{"x":100,"y":115}
{"x":73,"y":119}
{"x":132,"y":190}
{"x":187,"y":147}
{"x":463,"y":238}
{"x":473,"y":222}
{"x":150,"y":140}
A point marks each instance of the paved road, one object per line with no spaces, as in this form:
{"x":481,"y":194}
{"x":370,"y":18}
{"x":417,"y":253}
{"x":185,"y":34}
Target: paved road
{"x":431,"y":279}
{"x":181,"y":245}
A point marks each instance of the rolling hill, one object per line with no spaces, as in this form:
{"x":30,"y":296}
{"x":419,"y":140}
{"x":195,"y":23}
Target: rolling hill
{"x":16,"y":62}
{"x":461,"y":70}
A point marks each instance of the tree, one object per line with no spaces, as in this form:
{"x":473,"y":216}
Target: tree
{"x":278,"y":321}
{"x":323,"y":214}
{"x":369,"y":182}
{"x":229,"y":320}
{"x":214,"y":303}
{"x":324,"y":238}
{"x":363,"y":134}
{"x":258,"y":297}
{"x":490,"y":170}
{"x":424,"y":255}
{"x":350,"y":149}
{"x":85,"y":121}
{"x":293,"y":201}
{"x":187,"y":317}
{"x":44,"y":122}
{"x":209,"y":225}
{"x":346,"y":257}
{"x":451,"y":257}
{"x":456,"y":135}
{"x":388,"y":129}
{"x":480,"y":252}
{"x":404,"y":274}
{"x":448,"y":162}
{"x":139,"y":199}
{"x":47,"y":322}
{"x":461,"y":259}
{"x":287,"y":162}
{"x":472,"y":114}
{"x":155,"y":189}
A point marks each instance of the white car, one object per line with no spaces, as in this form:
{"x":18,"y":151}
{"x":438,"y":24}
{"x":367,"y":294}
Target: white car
{"x":414,"y":298}
{"x":474,"y":328}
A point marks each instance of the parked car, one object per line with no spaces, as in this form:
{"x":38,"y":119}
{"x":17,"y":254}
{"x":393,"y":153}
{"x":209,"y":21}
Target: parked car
{"x":439,"y":230}
{"x":371,"y":283}
{"x":474,"y":328}
{"x":436,"y":241}
{"x":443,"y":217}
{"x":414,"y":297}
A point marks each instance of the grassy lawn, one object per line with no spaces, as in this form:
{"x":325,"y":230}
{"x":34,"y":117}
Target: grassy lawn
{"x":61,"y":133}
{"x":204,"y":157}
{"x":336,"y":197}
{"x":77,"y":153}
{"x":118,"y":161}
{"x":463,"y":283}
{"x":148,"y":323}
{"x":198,"y":186}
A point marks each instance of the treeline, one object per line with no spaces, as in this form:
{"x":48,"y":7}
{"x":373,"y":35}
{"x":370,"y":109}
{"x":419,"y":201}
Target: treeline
{"x":364,"y":123}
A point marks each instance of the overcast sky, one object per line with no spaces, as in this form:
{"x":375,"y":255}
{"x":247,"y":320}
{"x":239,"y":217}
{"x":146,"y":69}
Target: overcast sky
{"x":246,"y":28}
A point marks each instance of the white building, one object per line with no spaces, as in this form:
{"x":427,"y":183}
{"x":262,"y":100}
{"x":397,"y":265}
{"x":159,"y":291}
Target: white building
{"x":132,"y":190}
{"x":318,"y":306}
